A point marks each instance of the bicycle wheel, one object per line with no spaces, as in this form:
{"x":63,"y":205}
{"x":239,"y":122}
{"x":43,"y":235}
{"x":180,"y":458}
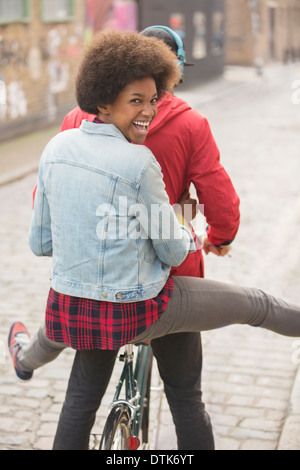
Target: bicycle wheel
{"x":117,"y":429}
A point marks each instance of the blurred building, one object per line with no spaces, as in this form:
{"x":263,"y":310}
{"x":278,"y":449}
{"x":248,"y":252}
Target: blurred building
{"x":201,"y":25}
{"x":258,"y":31}
{"x":41,"y":42}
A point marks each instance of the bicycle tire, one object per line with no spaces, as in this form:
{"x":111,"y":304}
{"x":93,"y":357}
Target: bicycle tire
{"x":117,"y":429}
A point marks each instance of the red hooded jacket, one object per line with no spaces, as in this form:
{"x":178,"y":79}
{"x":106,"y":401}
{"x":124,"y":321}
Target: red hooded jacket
{"x":183,"y":144}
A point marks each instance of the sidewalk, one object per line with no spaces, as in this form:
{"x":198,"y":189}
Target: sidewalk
{"x":251,"y":384}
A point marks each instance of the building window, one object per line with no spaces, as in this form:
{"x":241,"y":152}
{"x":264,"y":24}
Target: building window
{"x":14,"y":11}
{"x":217,"y":44}
{"x":177,"y":23}
{"x":57,"y":11}
{"x":200,"y":38}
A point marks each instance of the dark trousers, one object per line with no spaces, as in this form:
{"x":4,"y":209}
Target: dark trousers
{"x":179,"y":359}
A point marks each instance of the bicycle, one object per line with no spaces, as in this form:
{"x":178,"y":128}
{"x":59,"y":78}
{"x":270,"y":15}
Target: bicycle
{"x":127,"y":424}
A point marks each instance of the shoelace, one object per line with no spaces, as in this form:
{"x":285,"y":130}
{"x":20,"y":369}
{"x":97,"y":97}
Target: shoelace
{"x":21,"y":339}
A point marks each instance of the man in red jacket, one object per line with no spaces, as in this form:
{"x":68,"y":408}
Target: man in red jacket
{"x":182,"y":142}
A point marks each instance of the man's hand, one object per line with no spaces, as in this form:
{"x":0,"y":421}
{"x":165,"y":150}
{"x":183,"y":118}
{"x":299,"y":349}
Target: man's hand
{"x":209,"y":247}
{"x":188,"y":206}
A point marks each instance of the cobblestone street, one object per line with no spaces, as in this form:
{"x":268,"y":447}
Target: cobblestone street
{"x":250,"y":382}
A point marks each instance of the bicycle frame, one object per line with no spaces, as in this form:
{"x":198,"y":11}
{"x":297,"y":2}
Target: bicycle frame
{"x":135,"y":381}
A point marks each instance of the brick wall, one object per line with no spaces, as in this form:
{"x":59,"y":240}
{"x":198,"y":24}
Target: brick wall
{"x":262,"y":29}
{"x":239,"y":47}
{"x":38,"y":61}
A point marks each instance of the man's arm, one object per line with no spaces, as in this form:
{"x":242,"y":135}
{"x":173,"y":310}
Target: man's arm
{"x":214,"y":188}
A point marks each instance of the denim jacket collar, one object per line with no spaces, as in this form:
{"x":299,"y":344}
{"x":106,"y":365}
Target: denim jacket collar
{"x":101,"y":129}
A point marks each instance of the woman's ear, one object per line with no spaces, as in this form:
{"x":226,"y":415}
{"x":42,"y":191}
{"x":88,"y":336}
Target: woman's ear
{"x":103,"y":109}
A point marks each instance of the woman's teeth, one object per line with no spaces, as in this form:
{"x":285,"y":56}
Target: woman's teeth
{"x":142,"y":125}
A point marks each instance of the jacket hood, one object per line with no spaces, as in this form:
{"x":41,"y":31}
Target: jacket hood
{"x":169,"y":107}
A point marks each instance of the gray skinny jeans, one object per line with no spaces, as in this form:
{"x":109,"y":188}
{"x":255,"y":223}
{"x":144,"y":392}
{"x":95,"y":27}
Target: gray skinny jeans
{"x":202,"y":305}
{"x":195,"y":305}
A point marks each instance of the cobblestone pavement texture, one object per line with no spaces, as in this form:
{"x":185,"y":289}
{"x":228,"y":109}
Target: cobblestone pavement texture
{"x":251,"y":384}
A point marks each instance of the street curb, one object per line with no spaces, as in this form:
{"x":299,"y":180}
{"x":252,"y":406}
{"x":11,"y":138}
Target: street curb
{"x":290,"y":436}
{"x":12,"y":176}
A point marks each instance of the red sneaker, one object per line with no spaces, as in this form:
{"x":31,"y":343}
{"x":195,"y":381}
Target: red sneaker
{"x":18,"y":337}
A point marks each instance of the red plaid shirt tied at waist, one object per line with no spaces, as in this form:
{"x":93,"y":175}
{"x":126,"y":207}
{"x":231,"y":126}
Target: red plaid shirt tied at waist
{"x":86,"y":324}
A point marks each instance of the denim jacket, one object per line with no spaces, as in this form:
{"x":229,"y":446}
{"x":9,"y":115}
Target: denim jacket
{"x":102,"y":213}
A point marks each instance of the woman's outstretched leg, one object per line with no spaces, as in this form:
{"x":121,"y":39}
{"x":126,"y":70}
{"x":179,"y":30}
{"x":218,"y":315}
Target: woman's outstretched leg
{"x":214,"y":305}
{"x":202,"y":305}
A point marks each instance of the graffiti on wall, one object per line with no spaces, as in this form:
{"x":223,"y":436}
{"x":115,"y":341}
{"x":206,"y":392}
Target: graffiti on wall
{"x":13,"y":102}
{"x":110,"y":14}
{"x":47,"y":61}
{"x":12,"y":53}
{"x":125,"y":16}
{"x":57,"y":70}
{"x":36,"y":71}
{"x":2,"y":100}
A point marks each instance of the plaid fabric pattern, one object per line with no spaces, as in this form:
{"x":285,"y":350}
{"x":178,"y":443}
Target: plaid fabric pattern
{"x":86,"y":324}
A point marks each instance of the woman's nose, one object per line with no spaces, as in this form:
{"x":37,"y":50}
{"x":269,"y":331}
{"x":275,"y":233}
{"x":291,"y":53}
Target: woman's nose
{"x":148,"y":110}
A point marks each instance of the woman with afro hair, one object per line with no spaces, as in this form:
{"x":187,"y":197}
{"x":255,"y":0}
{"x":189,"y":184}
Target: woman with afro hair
{"x":114,"y":59}
{"x":102,"y":213}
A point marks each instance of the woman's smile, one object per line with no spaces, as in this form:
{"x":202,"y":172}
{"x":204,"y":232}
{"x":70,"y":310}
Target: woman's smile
{"x":142,"y":126}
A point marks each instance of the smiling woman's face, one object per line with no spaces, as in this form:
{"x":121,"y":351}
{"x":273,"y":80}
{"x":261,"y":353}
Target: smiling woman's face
{"x":133,"y":110}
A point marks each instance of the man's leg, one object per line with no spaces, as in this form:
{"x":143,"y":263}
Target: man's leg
{"x":179,"y":359}
{"x":89,"y":379}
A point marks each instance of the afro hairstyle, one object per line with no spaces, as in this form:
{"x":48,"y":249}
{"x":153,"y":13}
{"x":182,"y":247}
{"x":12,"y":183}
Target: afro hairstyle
{"x":114,"y":59}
